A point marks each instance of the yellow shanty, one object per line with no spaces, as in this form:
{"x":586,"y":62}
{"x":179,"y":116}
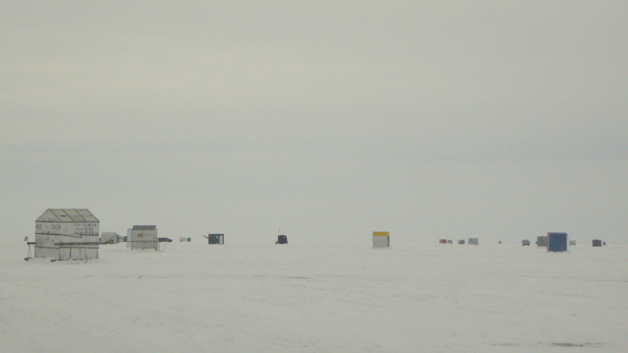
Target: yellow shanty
{"x":381,"y":239}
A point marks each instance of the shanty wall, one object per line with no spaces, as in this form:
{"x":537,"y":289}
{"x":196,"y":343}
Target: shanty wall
{"x":51,"y":237}
{"x":144,"y":239}
{"x":556,"y":241}
{"x":381,"y":239}
{"x":542,"y":241}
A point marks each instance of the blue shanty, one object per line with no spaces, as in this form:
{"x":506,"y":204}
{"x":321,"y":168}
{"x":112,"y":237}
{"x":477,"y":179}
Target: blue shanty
{"x":557,"y":241}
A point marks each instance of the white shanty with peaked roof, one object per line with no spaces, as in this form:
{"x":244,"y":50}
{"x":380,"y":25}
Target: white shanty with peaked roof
{"x":67,"y":233}
{"x":109,"y":238}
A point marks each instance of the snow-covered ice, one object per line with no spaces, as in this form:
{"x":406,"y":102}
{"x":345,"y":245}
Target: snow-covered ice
{"x":196,"y":297}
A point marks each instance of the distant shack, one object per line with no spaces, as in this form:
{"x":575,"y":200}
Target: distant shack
{"x":556,"y":242}
{"x":109,"y":238}
{"x":381,"y":239}
{"x":541,"y":241}
{"x":143,"y":237}
{"x":67,"y":234}
{"x":215,"y":239}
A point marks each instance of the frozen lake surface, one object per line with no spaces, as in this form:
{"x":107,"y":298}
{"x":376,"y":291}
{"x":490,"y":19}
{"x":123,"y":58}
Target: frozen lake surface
{"x":196,"y":297}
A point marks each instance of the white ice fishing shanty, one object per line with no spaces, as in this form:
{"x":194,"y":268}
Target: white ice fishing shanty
{"x":109,"y":238}
{"x":67,"y":233}
{"x":381,"y":239}
{"x":143,"y":237}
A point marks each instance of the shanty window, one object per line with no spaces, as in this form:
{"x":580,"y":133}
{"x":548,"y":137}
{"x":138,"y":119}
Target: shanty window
{"x":140,"y":235}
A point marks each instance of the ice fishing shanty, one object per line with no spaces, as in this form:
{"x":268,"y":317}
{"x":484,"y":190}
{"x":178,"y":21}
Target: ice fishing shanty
{"x":282,"y":239}
{"x":473,"y":241}
{"x":597,"y":243}
{"x":556,"y":242}
{"x":67,"y":233}
{"x":143,"y":237}
{"x":109,"y":238}
{"x":541,"y":241}
{"x":215,"y":238}
{"x":381,"y":239}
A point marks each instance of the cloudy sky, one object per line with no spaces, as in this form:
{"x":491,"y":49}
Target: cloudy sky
{"x":501,"y":120}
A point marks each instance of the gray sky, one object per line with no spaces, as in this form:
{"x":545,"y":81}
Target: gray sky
{"x":501,"y":120}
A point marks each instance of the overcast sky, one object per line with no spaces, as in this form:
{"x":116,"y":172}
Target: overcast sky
{"x":502,"y":120}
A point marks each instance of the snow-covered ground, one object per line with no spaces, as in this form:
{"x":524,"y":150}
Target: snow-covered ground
{"x":317,"y":298}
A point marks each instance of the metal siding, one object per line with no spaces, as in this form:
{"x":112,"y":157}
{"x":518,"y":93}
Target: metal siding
{"x":148,"y":239}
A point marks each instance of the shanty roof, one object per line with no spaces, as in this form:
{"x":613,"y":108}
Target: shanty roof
{"x":144,"y":227}
{"x":69,"y":215}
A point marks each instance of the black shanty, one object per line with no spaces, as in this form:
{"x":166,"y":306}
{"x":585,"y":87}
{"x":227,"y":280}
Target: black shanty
{"x":282,"y":239}
{"x":215,"y":238}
